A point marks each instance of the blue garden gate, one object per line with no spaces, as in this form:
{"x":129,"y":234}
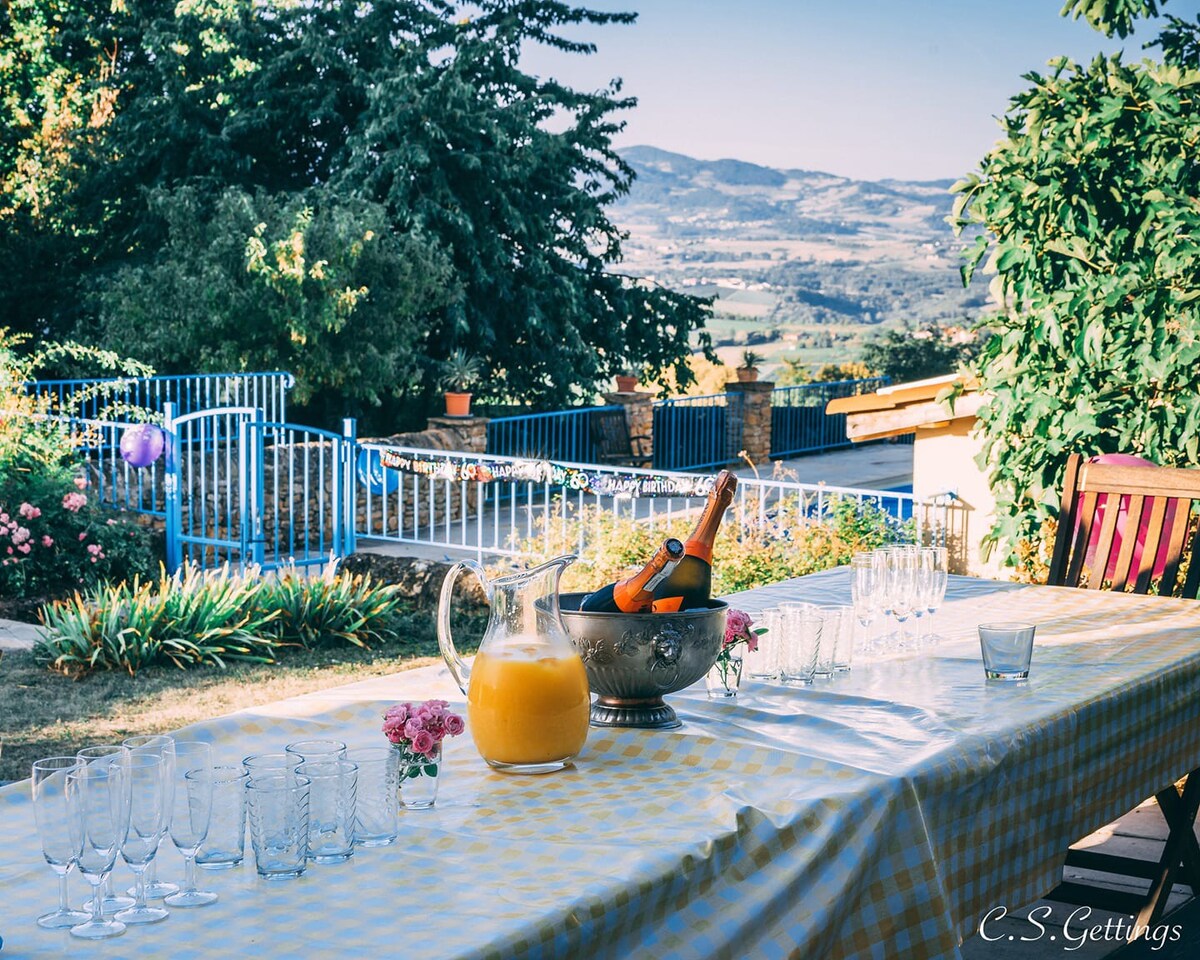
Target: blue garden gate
{"x":206,"y":482}
{"x":244,"y":490}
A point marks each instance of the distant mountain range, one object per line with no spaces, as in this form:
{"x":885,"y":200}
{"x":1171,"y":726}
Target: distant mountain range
{"x":797,"y":258}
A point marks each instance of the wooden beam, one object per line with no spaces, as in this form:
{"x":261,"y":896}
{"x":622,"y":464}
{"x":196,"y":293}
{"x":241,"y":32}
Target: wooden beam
{"x":889,"y":423}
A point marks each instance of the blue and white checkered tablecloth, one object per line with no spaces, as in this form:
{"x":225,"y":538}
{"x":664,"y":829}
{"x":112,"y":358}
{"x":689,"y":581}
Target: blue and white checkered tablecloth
{"x":879,"y":814}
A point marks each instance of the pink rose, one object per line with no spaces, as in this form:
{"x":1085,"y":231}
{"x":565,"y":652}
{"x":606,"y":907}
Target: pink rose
{"x":397,"y":712}
{"x":81,"y":483}
{"x":437,"y":708}
{"x":394,"y":725}
{"x":47,"y":540}
{"x":454,"y":724}
{"x":413,"y":726}
{"x":20,"y":535}
{"x":29,"y":511}
{"x":423,"y":742}
{"x":83,"y":536}
{"x":25,"y":547}
{"x":73,"y":501}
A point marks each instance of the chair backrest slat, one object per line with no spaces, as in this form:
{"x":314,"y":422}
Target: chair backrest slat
{"x":1174,"y":551}
{"x":1116,"y":521}
{"x":1133,"y":520}
{"x":1108,"y":505}
{"x":1086,"y":517}
{"x":1158,"y":512}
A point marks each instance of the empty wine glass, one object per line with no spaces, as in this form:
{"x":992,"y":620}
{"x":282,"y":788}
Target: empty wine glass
{"x":60,"y":834}
{"x":147,"y":822}
{"x":112,"y":901}
{"x":190,"y":816}
{"x":939,"y":576}
{"x":902,"y":587}
{"x":163,"y":747}
{"x":869,"y":574}
{"x":98,"y":796}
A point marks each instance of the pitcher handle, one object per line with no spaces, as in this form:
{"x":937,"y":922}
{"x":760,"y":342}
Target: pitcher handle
{"x":460,"y":670}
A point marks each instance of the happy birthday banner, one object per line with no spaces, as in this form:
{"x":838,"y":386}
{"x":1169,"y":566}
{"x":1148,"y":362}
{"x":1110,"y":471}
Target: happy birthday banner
{"x":634,"y":486}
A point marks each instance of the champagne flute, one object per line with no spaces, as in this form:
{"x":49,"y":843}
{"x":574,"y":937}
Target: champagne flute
{"x":924,"y":583}
{"x":902,"y":587}
{"x":865,"y":589}
{"x":190,"y":816}
{"x":60,"y":834}
{"x":147,"y":822}
{"x":107,"y":751}
{"x":164,"y":748}
{"x":98,"y":796}
{"x":939,"y":577}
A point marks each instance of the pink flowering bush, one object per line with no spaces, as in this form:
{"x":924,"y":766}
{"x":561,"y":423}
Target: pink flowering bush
{"x":53,"y":535}
{"x":56,"y":539}
{"x":417,"y":730}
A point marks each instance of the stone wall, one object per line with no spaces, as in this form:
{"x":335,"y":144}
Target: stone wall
{"x":391,"y":514}
{"x":756,"y":418}
{"x":639,"y":417}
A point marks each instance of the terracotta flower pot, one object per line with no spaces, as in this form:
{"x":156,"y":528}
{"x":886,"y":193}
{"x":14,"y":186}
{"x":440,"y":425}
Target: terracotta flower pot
{"x":747,"y":374}
{"x":458,"y":404}
{"x":626,"y":384}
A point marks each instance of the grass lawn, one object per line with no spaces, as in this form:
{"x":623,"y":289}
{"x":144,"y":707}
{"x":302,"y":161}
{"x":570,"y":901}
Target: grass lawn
{"x":44,"y":714}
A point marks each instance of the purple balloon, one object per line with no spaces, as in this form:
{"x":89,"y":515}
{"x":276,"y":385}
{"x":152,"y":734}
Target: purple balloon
{"x":141,"y":444}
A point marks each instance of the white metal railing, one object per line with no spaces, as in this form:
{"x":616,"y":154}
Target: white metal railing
{"x":445,"y":499}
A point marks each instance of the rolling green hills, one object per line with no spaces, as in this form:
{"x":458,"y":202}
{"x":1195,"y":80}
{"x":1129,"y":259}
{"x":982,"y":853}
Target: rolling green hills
{"x":802,"y":263}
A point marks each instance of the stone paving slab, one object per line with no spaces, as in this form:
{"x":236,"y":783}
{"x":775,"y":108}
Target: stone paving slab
{"x":15,"y":635}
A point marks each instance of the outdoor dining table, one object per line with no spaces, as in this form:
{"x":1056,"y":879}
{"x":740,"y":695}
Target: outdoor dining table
{"x":882,"y":813}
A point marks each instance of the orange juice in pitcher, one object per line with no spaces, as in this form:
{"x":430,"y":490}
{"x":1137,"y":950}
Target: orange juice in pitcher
{"x":527,"y":691}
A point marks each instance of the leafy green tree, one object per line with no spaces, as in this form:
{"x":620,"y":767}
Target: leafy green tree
{"x":408,"y":119}
{"x":909,"y":354}
{"x":333,"y":290}
{"x":1089,"y":224}
{"x":520,"y":204}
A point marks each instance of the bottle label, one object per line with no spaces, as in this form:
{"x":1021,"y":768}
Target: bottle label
{"x":659,"y":577}
{"x":668,"y":605}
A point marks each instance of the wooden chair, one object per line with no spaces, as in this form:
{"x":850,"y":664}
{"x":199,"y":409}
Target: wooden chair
{"x":1118,"y":501}
{"x":610,"y":433}
{"x":1128,"y":528}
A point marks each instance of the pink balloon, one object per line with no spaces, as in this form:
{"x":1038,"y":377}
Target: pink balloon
{"x":1102,"y":504}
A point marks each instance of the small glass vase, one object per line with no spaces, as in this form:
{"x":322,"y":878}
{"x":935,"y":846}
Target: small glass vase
{"x":725,"y":677}
{"x":416,"y":780}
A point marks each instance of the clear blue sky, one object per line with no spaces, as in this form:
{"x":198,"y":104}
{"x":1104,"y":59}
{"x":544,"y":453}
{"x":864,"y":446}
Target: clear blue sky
{"x":863,"y":88}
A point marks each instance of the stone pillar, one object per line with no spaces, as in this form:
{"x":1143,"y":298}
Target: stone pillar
{"x":639,"y":416}
{"x":469,"y":433}
{"x":756,"y":419}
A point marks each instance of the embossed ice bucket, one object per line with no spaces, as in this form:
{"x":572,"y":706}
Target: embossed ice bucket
{"x":633,"y":659}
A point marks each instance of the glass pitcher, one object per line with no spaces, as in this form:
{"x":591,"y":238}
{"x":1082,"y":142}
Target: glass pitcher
{"x":527,"y":691}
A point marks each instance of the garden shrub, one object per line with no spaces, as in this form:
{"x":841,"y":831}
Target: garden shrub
{"x":759,"y":542}
{"x":202,"y":618}
{"x":54,"y":536}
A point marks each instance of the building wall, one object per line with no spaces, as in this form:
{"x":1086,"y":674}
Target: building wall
{"x":944,"y":459}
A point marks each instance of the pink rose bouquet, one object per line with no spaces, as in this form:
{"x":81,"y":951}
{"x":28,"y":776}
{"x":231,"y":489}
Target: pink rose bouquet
{"x":417,"y":730}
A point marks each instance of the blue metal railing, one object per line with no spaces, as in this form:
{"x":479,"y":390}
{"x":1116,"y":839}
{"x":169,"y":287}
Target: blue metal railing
{"x":694,"y":433}
{"x":109,"y":398}
{"x":561,"y":435}
{"x":799,"y":423}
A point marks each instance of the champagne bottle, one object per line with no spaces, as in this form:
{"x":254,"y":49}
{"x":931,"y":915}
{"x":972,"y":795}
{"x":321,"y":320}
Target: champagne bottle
{"x":635,"y":594}
{"x":690,"y":583}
